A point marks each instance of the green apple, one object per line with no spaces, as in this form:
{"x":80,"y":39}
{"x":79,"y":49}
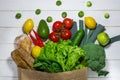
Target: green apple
{"x":103,"y":38}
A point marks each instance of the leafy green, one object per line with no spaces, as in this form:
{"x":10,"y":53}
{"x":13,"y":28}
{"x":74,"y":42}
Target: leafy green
{"x":58,"y":57}
{"x":95,"y":57}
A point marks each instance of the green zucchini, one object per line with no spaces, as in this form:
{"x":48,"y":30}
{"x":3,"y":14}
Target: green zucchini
{"x":77,"y":38}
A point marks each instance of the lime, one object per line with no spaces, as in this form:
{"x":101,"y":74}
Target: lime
{"x":36,"y":51}
{"x":90,"y":22}
{"x":103,"y":38}
{"x":28,"y":26}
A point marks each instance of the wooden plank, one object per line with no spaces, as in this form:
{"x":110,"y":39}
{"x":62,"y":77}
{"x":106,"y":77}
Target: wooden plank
{"x":112,"y":66}
{"x":9,"y":20}
{"x":8,"y":78}
{"x":111,"y":53}
{"x":8,"y":68}
{"x":66,"y":5}
{"x":8,"y":35}
{"x":7,"y":42}
{"x":6,"y":50}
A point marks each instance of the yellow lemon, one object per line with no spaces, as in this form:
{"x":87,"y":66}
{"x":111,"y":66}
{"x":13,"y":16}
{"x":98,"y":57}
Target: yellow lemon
{"x":90,"y":22}
{"x":28,"y":26}
{"x":36,"y":51}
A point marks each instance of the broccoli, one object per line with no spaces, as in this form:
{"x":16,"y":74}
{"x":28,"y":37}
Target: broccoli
{"x":95,"y":58}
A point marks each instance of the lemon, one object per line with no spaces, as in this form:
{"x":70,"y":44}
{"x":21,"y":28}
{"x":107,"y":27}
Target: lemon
{"x":90,"y":22}
{"x":28,"y":26}
{"x":36,"y":51}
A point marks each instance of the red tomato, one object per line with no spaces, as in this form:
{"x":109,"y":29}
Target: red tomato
{"x":68,"y":23}
{"x":65,"y":34}
{"x":57,"y":26}
{"x":54,"y":36}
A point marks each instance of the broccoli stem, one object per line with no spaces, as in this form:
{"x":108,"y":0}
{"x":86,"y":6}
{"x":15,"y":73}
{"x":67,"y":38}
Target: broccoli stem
{"x":102,"y":73}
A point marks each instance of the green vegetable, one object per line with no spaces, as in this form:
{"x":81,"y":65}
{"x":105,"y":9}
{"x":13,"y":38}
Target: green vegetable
{"x":106,"y":15}
{"x":38,"y":11}
{"x":49,"y":19}
{"x":59,"y":57}
{"x":64,"y":14}
{"x":47,"y":65}
{"x":43,"y":29}
{"x":95,"y":57}
{"x":73,"y":29}
{"x":58,"y":3}
{"x":103,"y":38}
{"x":89,"y":4}
{"x":93,"y":37}
{"x":18,"y":16}
{"x":114,"y":39}
{"x":77,"y":38}
{"x":85,"y":37}
{"x":80,"y":14}
{"x":81,"y":24}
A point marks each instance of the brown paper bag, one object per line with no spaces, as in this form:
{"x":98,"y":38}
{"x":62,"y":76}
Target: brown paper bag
{"x":25,"y":74}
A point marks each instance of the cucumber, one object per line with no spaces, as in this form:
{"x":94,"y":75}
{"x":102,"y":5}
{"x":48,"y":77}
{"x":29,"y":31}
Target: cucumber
{"x":77,"y":38}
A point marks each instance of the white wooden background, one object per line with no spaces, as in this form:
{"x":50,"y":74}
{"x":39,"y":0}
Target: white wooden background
{"x":11,"y":27}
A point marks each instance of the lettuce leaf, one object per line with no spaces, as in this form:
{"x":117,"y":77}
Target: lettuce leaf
{"x":64,"y":57}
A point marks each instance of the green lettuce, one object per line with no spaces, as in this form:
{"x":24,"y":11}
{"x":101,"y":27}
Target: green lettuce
{"x":59,"y":57}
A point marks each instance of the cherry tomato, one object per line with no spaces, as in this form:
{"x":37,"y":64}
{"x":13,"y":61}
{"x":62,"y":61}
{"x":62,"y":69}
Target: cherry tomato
{"x":65,"y":34}
{"x":57,"y":26}
{"x":54,"y":36}
{"x":68,"y":23}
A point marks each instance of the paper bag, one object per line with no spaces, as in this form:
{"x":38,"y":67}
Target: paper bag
{"x":25,"y":74}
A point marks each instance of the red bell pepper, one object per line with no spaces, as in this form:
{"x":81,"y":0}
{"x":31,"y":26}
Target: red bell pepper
{"x":38,"y":41}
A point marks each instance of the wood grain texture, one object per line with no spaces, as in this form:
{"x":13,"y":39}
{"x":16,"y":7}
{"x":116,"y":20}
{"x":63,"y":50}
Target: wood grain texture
{"x":8,"y":17}
{"x":10,"y":28}
{"x":66,"y":5}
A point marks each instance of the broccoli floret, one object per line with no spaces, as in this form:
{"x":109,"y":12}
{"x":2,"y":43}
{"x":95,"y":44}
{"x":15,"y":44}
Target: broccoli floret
{"x":95,"y":57}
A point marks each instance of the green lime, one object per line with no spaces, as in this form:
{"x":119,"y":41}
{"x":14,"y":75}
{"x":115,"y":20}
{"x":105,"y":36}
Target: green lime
{"x":58,"y":3}
{"x":64,"y":14}
{"x":89,"y":4}
{"x":80,"y":14}
{"x":106,"y":15}
{"x":49,"y":19}
{"x":103,"y":38}
{"x":37,"y":11}
{"x":18,"y":16}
